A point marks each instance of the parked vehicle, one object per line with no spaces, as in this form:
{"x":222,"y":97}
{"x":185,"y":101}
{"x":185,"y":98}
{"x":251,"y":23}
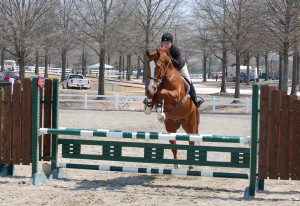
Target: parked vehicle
{"x":76,"y":81}
{"x":10,"y":65}
{"x":10,"y":74}
{"x":231,"y":73}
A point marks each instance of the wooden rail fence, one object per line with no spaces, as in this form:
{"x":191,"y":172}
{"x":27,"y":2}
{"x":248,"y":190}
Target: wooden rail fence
{"x":15,"y":122}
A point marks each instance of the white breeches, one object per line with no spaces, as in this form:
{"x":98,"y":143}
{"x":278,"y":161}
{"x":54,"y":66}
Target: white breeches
{"x":185,"y":72}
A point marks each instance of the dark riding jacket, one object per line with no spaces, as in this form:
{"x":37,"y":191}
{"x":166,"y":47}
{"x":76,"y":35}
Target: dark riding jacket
{"x":177,"y":58}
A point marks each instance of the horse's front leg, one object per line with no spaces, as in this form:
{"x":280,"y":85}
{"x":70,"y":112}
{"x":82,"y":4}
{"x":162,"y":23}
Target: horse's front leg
{"x":149,"y":102}
{"x":147,"y":105}
{"x":169,"y":97}
{"x":161,"y":116}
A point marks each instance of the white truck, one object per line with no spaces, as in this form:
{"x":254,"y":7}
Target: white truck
{"x":76,"y":81}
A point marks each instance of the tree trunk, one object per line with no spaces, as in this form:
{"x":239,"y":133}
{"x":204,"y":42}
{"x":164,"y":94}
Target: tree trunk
{"x":21,"y":62}
{"x":237,"y":76}
{"x":298,"y":69}
{"x":36,"y":70}
{"x":63,"y":65}
{"x":285,"y":67}
{"x":204,"y":68}
{"x":138,"y":73}
{"x":101,"y":71}
{"x":248,"y":69}
{"x":294,"y":77}
{"x":2,"y":59}
{"x":120,"y":65}
{"x":46,"y":64}
{"x":280,"y":71}
{"x":224,"y":72}
{"x":83,"y":62}
{"x":128,"y":67}
{"x":267,"y":67}
{"x":257,"y":68}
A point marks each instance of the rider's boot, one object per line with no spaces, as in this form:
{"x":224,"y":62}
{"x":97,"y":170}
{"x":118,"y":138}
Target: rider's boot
{"x":197,"y":100}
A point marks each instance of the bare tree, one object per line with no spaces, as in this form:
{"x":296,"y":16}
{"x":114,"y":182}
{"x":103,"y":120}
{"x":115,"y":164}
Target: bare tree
{"x":151,"y":17}
{"x":65,"y":32}
{"x":231,"y":21}
{"x":281,"y":19}
{"x":21,"y":23}
{"x":98,"y":20}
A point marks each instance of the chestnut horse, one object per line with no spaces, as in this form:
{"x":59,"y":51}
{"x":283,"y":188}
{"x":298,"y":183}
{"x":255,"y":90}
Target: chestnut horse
{"x":168,"y":92}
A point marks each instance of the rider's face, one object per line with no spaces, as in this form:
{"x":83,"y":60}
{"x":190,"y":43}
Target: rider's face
{"x":167,"y":44}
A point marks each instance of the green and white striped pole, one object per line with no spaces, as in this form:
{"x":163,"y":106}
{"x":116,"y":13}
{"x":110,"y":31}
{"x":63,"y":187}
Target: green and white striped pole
{"x":158,"y":171}
{"x":145,"y":135}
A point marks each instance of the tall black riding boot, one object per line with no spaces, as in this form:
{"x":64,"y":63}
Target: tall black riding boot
{"x":193,"y":95}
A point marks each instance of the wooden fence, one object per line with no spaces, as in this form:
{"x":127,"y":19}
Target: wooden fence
{"x":15,"y":122}
{"x":279,"y":135}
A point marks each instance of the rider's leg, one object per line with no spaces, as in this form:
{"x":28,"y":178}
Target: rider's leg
{"x":185,"y":73}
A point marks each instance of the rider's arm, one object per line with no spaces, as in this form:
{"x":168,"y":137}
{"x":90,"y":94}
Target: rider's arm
{"x":177,"y":59}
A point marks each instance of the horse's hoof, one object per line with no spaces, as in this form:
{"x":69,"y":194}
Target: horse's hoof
{"x":147,"y":110}
{"x":176,"y":166}
{"x":161,"y":120}
{"x":191,"y":167}
{"x":161,"y":117}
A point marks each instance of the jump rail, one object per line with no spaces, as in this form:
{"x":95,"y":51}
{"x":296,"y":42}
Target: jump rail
{"x":241,"y":157}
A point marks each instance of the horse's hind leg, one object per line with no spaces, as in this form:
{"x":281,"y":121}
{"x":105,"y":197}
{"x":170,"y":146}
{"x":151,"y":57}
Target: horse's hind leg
{"x":172,"y":127}
{"x":191,"y":127}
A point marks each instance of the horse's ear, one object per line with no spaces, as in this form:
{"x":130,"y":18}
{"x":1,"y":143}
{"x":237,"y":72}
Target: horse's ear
{"x":148,"y":53}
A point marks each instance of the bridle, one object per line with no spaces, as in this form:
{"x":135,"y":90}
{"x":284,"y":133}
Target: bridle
{"x":159,"y":79}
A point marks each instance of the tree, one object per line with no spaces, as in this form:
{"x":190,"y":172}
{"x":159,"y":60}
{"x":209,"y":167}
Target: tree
{"x":98,"y":20}
{"x":281,"y":19}
{"x":65,"y":32}
{"x":230,"y":23}
{"x":21,"y":23}
{"x":151,"y":17}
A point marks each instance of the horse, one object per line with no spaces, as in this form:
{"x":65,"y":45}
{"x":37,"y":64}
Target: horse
{"x":168,"y":93}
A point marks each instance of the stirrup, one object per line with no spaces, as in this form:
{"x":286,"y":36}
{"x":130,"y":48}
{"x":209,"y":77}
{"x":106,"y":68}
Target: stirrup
{"x":199,"y":101}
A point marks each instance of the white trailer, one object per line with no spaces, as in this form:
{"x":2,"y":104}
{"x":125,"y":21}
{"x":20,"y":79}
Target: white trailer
{"x":231,"y":73}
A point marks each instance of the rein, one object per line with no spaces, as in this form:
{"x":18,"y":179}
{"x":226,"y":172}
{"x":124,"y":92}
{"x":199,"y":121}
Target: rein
{"x":183,"y":100}
{"x":165,"y":74}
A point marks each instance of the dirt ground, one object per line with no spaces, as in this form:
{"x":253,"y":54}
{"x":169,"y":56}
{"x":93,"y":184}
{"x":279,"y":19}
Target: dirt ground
{"x":89,"y":187}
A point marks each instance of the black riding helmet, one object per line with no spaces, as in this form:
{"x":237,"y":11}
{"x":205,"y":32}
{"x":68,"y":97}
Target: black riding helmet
{"x":167,"y":37}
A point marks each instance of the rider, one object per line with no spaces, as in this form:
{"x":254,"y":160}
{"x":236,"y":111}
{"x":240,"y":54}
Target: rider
{"x":180,"y":64}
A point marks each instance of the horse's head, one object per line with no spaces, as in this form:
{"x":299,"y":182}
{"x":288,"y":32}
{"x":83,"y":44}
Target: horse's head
{"x":157,"y":68}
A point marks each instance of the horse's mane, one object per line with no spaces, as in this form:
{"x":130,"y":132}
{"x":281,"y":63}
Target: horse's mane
{"x":159,"y":53}
{"x":163,"y":53}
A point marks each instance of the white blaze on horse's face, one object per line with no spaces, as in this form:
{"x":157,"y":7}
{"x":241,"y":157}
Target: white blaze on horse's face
{"x":151,"y":87}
